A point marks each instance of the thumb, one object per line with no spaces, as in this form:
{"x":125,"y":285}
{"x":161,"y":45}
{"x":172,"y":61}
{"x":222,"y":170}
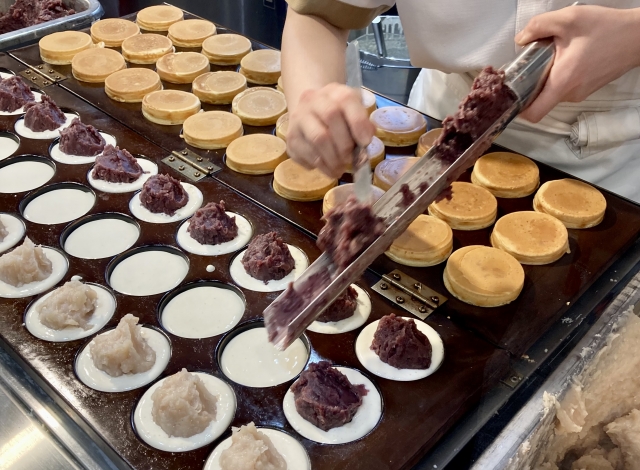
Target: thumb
{"x":542,"y":26}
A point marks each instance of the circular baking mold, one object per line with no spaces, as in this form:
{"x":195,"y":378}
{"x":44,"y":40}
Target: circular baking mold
{"x":149,"y":168}
{"x":9,"y":143}
{"x":15,"y":228}
{"x":370,"y":360}
{"x":201,"y":309}
{"x":245,"y":231}
{"x":27,"y":133}
{"x":60,"y":265}
{"x":147,"y":270}
{"x":359,"y":317}
{"x":100,"y":235}
{"x":61,"y":157}
{"x":57,"y":203}
{"x":154,"y":435}
{"x":105,"y":309}
{"x":38,"y":97}
{"x":24,"y":173}
{"x":193,"y":204}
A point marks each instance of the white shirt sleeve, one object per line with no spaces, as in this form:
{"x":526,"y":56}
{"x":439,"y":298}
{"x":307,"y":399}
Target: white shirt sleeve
{"x":345,"y":14}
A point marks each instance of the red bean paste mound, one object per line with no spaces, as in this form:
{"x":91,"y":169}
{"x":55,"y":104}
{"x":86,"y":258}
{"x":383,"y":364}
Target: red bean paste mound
{"x":348,"y":230}
{"x":43,"y":116}
{"x":325,"y":397}
{"x":399,"y":343}
{"x":14,"y":94}
{"x":116,"y":165}
{"x":488,"y":100}
{"x":82,"y":140}
{"x":343,"y":307}
{"x":211,"y":225}
{"x":162,"y":194}
{"x":24,"y":13}
{"x":268,"y":258}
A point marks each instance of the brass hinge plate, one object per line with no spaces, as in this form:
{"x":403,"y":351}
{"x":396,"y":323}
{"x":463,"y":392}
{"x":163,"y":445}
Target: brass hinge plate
{"x":191,"y":165}
{"x":48,"y":72}
{"x":35,"y":79}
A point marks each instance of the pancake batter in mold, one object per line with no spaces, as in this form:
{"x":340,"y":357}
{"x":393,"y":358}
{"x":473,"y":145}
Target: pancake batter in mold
{"x":148,"y":167}
{"x":21,"y":174}
{"x":27,"y":133}
{"x":359,"y":318}
{"x":59,"y":204}
{"x":142,"y":213}
{"x":61,"y":157}
{"x":245,"y":231}
{"x":59,"y":267}
{"x":101,"y":237}
{"x":12,"y":231}
{"x":9,"y":143}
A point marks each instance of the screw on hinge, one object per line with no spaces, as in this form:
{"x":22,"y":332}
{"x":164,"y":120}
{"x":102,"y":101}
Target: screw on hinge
{"x":435,"y":299}
{"x":40,"y":67}
{"x":172,"y":159}
{"x":384,"y":286}
{"x":515,"y":379}
{"x":396,"y":277}
{"x":28,"y":72}
{"x":417,"y":285}
{"x":181,"y":167}
{"x":197,"y":174}
{"x":400,"y":300}
{"x":210,"y":168}
{"x":199,"y":159}
{"x":184,"y":152}
{"x":45,"y":82}
{"x":51,"y":71}
{"x":422,"y":309}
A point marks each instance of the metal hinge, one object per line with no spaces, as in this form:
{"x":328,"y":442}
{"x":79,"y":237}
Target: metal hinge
{"x":512,"y":379}
{"x":48,"y":72}
{"x":191,"y":165}
{"x":409,"y":293}
{"x":37,"y":80}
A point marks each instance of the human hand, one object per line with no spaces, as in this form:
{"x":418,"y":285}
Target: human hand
{"x":325,"y":127}
{"x":594,"y":46}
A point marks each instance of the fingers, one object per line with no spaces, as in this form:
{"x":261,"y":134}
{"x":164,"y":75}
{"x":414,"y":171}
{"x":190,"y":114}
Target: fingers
{"x":546,"y":25}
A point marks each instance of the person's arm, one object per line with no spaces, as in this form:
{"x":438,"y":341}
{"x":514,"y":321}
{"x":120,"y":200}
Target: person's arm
{"x":594,"y":46}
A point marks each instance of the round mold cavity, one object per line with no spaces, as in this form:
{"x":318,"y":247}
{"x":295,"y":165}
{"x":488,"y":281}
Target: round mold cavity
{"x":201,"y":309}
{"x":6,"y":73}
{"x":24,"y":173}
{"x":100,"y":236}
{"x":27,"y":133}
{"x":61,"y":157}
{"x":37,"y":93}
{"x":99,"y":380}
{"x":365,"y":420}
{"x":152,"y":434}
{"x":99,"y":318}
{"x":245,"y":232}
{"x":193,"y":204}
{"x":16,"y":228}
{"x":355,"y":321}
{"x":294,"y":453}
{"x":57,"y":203}
{"x":147,"y":270}
{"x":246,"y":357}
{"x":149,"y":167}
{"x":243,"y":279}
{"x":9,"y":143}
{"x":60,"y":267}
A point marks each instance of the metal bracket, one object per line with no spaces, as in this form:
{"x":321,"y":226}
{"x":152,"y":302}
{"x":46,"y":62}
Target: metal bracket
{"x":409,"y":293}
{"x":50,"y":74}
{"x":39,"y":81}
{"x":512,"y":379}
{"x":191,"y":165}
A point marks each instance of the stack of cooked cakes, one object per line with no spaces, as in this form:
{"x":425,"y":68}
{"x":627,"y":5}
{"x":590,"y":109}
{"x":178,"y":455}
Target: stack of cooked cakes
{"x":61,"y":48}
{"x":182,"y":67}
{"x":293,"y":181}
{"x":261,"y":67}
{"x":483,"y":276}
{"x":369,"y":101}
{"x":280,"y":85}
{"x":131,"y":85}
{"x":95,"y":65}
{"x":219,"y":87}
{"x":426,"y":242}
{"x":375,"y":153}
{"x":113,"y":31}
{"x":397,"y":126}
{"x":282,"y":126}
{"x":574,"y":203}
{"x":531,"y":237}
{"x":391,"y":170}
{"x":169,"y":107}
{"x":470,"y":207}
{"x":426,"y":141}
{"x":190,"y":33}
{"x":259,"y":106}
{"x":506,"y":175}
{"x":256,"y":154}
{"x":339,"y":195}
{"x":226,"y":49}
{"x":146,"y":48}
{"x":211,"y":129}
{"x":159,"y":17}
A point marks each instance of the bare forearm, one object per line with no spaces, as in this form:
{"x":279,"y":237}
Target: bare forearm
{"x":313,"y":55}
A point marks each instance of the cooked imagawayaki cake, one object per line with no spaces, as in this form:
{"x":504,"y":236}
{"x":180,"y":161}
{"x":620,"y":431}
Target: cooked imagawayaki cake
{"x":339,"y":195}
{"x":470,"y":207}
{"x":14,"y":94}
{"x":212,"y":129}
{"x":259,"y":106}
{"x":60,"y":48}
{"x":190,"y":33}
{"x":261,"y":67}
{"x":113,"y":31}
{"x":256,"y":154}
{"x":369,"y":101}
{"x":251,"y":449}
{"x":219,"y":87}
{"x":158,"y":17}
{"x":163,"y":194}
{"x":81,"y":139}
{"x":146,"y":48}
{"x":169,"y":107}
{"x":343,"y":307}
{"x":268,"y":258}
{"x":531,"y":237}
{"x":69,"y":306}
{"x":325,"y":397}
{"x":426,"y":141}
{"x":43,"y":116}
{"x":123,"y":350}
{"x":25,"y":264}
{"x":226,"y":49}
{"x":391,"y":170}
{"x":95,"y":65}
{"x":399,"y":343}
{"x":280,"y":84}
{"x":182,"y":67}
{"x":505,"y":174}
{"x":292,"y":181}
{"x":282,"y":125}
{"x":211,"y":225}
{"x":574,"y":203}
{"x":132,"y":85}
{"x":483,"y":276}
{"x":116,"y":165}
{"x":397,"y":126}
{"x":426,"y":242}
{"x":183,"y":406}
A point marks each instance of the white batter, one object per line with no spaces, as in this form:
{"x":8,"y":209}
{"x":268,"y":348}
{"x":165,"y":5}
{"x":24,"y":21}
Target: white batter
{"x":202,"y":312}
{"x":60,"y":265}
{"x":245,"y":231}
{"x":16,"y":229}
{"x":149,"y":272}
{"x":99,"y":380}
{"x":8,"y":146}
{"x":366,"y":418}
{"x":370,"y":360}
{"x":250,"y":359}
{"x":59,"y":156}
{"x":24,"y":131}
{"x":147,"y":166}
{"x":240,"y":275}
{"x":101,"y":238}
{"x":24,"y":175}
{"x":105,"y":308}
{"x":291,"y":450}
{"x":210,"y":268}
{"x":4,"y":75}
{"x":359,"y":317}
{"x":59,"y":205}
{"x":142,"y":213}
{"x":153,"y":434}
{"x":38,"y":97}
